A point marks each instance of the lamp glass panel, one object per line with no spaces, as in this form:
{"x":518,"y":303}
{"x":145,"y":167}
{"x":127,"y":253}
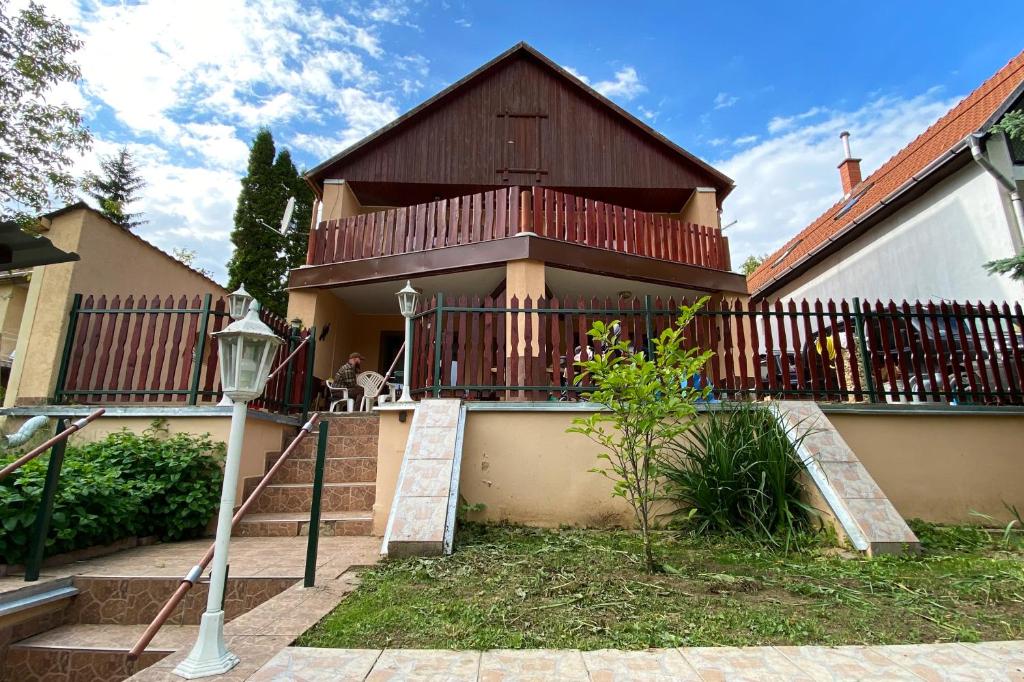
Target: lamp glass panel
{"x":228,"y":364}
{"x":249,"y":367}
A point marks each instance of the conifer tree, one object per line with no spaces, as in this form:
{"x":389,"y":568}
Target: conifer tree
{"x":117,"y":187}
{"x":297,"y":237}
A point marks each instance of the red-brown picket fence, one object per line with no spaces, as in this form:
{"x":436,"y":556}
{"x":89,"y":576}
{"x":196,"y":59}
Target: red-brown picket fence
{"x":506,"y":212}
{"x":159,"y":350}
{"x":845,"y":351}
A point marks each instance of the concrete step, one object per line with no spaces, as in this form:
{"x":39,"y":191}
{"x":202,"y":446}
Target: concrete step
{"x":298,"y":497}
{"x":297,"y":523}
{"x":91,"y":652}
{"x":336,"y":470}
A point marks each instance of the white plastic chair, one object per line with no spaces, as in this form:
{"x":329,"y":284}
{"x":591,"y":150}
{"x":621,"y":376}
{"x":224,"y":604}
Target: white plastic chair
{"x":339,"y":395}
{"x":372,"y":383}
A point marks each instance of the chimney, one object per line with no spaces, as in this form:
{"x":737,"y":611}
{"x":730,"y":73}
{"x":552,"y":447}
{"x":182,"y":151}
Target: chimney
{"x":849,"y":169}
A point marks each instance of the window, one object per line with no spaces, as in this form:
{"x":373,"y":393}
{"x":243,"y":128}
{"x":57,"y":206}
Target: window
{"x":850,"y":203}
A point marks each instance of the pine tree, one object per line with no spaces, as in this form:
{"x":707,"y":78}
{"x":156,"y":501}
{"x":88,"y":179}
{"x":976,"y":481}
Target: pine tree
{"x":117,"y":187}
{"x":262,"y":254}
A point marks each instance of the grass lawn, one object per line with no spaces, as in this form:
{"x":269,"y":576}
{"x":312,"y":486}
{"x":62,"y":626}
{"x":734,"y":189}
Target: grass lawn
{"x":509,"y":587}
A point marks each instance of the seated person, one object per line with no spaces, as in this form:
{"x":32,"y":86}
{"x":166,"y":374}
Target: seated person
{"x":345,"y":377}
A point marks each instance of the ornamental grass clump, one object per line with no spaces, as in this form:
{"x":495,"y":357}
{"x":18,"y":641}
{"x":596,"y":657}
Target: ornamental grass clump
{"x":738,"y":472}
{"x":649,"y":404}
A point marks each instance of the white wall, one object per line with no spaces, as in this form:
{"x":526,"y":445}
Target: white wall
{"x":933,"y":249}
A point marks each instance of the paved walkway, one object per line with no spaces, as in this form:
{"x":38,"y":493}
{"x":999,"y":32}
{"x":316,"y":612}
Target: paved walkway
{"x":986,"y":661}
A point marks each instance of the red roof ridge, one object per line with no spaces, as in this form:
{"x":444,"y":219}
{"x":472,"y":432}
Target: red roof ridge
{"x":943,"y":130}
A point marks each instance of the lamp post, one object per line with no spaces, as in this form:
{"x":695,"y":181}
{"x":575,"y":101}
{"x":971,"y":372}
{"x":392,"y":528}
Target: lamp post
{"x":238,"y":304}
{"x":246,"y":351}
{"x":408,"y":297}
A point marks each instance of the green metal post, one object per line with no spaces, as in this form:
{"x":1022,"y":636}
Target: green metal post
{"x":314,"y":507}
{"x":65,"y":358}
{"x":197,"y":361}
{"x":289,"y":371}
{"x":862,"y":347}
{"x":650,"y":326}
{"x":45,"y":511}
{"x":307,"y":389}
{"x":438,"y":340}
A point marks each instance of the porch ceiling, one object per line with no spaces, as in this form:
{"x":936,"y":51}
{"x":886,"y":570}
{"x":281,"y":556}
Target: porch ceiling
{"x":378,"y":298}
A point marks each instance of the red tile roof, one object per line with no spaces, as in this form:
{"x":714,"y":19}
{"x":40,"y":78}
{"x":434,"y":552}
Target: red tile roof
{"x":965,"y":118}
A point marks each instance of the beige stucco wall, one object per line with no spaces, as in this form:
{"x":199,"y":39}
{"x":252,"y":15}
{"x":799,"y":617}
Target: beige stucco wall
{"x":941,"y":467}
{"x":13,"y":294}
{"x":701,"y":208}
{"x":113,"y":261}
{"x":526,"y":469}
{"x":349,"y":332}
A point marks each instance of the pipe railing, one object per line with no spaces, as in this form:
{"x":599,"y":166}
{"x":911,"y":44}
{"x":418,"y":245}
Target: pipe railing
{"x":40,"y":449}
{"x":284,"y":363}
{"x":387,"y":375}
{"x":196,"y":572}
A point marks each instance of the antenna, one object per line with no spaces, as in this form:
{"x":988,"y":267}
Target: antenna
{"x":286,"y":220}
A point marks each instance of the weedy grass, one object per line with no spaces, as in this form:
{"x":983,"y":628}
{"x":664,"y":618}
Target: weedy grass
{"x":513,"y":587}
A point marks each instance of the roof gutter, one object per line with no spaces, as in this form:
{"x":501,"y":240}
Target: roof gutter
{"x":883,"y":204}
{"x":978,"y":152}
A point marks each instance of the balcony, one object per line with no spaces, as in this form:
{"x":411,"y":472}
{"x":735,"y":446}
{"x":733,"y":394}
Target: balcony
{"x":508,"y":212}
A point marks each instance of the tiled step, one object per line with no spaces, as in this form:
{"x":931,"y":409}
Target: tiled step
{"x":298,"y":497}
{"x":297,"y":523}
{"x":91,"y":652}
{"x":118,"y":600}
{"x":336,"y":470}
{"x":357,"y":445}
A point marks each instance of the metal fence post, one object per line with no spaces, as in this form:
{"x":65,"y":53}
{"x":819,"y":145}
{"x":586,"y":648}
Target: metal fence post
{"x":289,"y":371}
{"x":42,"y":525}
{"x":438,"y":340}
{"x":65,"y":357}
{"x":649,"y":325}
{"x":197,"y":361}
{"x":862,"y":347}
{"x":307,"y":388}
{"x":314,"y":507}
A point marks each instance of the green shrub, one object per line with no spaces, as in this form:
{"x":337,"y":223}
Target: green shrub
{"x":121,"y":486}
{"x":738,"y":471}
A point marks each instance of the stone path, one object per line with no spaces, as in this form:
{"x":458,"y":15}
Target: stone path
{"x":985,"y":661}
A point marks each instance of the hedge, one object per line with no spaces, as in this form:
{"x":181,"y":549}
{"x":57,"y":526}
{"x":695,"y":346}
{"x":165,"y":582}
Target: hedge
{"x":124,"y":485}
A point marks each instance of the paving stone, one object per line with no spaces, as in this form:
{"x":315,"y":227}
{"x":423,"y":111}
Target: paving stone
{"x":653,"y":665}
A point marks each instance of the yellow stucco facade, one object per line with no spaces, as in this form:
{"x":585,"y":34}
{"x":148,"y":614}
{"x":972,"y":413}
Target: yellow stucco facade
{"x":113,"y":261}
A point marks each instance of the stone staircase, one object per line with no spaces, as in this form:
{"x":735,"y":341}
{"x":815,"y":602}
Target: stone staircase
{"x":84,"y":631}
{"x":350,"y":474}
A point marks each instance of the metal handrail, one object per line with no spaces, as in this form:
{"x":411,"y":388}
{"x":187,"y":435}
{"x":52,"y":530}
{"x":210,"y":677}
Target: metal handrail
{"x":40,"y":449}
{"x":285,"y":362}
{"x":387,"y":375}
{"x":196,"y":572}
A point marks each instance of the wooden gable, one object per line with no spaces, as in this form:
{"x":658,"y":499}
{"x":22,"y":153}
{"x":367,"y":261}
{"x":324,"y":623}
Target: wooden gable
{"x":521,"y":120}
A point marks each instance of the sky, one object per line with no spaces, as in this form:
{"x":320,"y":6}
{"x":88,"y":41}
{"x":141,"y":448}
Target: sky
{"x":759,"y":90}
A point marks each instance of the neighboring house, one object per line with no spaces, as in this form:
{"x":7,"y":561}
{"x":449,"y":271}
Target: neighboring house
{"x":518,"y":180}
{"x":13,"y":292}
{"x":924,"y":224}
{"x":113,"y":261}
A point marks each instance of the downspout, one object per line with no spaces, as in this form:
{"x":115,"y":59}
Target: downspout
{"x":1015,"y":201}
{"x":22,"y":435}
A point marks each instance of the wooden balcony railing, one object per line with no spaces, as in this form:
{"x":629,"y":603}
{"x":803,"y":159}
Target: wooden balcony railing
{"x":507,"y":212}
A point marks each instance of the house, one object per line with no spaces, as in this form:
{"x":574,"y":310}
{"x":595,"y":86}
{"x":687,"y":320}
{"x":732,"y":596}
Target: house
{"x":923,"y":225}
{"x":517,"y":181}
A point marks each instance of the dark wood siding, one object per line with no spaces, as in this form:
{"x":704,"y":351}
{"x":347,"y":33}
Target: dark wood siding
{"x":460,"y":139}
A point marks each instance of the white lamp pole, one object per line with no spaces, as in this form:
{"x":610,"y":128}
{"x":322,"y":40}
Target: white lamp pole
{"x":246,"y":351}
{"x":408,"y":297}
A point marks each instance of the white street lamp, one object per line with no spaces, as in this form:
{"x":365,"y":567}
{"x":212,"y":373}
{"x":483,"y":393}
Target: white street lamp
{"x":246,"y":352}
{"x":408,"y":298}
{"x":238,"y":303}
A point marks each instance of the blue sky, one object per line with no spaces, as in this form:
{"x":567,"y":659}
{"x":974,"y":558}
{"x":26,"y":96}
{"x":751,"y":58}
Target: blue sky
{"x":761,"y":90}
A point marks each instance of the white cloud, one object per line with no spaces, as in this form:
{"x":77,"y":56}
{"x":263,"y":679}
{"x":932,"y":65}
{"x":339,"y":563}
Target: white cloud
{"x":788,"y":179}
{"x":186,"y":83}
{"x":626,"y":84}
{"x":745,"y":140}
{"x":724,"y":100}
{"x":464,"y":23}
